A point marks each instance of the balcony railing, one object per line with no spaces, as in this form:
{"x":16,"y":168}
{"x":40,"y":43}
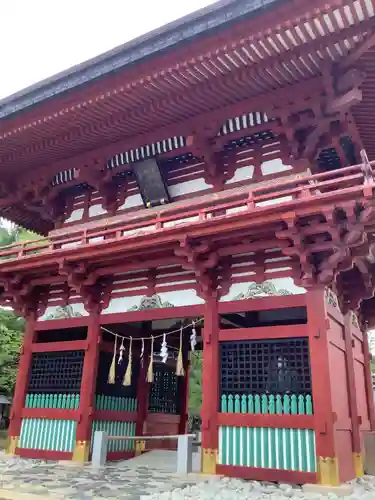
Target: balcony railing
{"x":354,"y":182}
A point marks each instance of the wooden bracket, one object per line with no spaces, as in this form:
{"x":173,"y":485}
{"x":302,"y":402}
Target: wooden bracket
{"x":317,"y":334}
{"x":324,"y":429}
{"x":205,"y":423}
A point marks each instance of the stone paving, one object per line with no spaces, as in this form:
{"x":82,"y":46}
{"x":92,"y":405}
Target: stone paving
{"x":150,"y":476}
{"x":120,"y":481}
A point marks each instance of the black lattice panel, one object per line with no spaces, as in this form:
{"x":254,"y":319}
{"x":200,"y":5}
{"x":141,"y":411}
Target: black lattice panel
{"x":56,"y":372}
{"x":267,"y":366}
{"x":116,"y":389}
{"x":164,"y":394}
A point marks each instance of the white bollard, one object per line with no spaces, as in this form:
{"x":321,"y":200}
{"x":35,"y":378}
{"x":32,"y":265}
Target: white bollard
{"x":99,"y":449}
{"x":185,"y":454}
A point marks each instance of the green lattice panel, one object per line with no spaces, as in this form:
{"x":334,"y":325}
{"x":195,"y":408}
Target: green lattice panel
{"x":267,"y":404}
{"x":64,"y":401}
{"x":48,"y":434}
{"x":283,"y":449}
{"x":111,"y":403}
{"x":113,"y":428}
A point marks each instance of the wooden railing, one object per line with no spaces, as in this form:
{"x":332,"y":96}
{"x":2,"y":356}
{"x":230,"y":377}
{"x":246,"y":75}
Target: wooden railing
{"x":343,"y":184}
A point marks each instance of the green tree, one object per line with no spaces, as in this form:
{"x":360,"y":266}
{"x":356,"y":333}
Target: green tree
{"x":11,"y":233}
{"x":11,"y":333}
{"x":11,"y":326}
{"x":8,"y":235}
{"x":195,"y":383}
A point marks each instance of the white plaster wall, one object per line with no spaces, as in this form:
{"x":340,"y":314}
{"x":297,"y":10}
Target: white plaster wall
{"x":135,"y":200}
{"x":78,"y":309}
{"x":268,"y":167}
{"x":242,"y":174}
{"x":96,"y":210}
{"x":139,"y":230}
{"x":274,"y":166}
{"x":75,"y":216}
{"x":188,"y":187}
{"x":122,"y":304}
{"x":279,"y":284}
{"x":274,"y":201}
{"x":181,"y":298}
{"x":72,"y":244}
{"x":181,"y":221}
{"x":177,"y":298}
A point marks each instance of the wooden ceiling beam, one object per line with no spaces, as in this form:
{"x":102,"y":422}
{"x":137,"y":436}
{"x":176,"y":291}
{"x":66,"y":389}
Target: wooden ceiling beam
{"x":358,"y":51}
{"x":96,"y":159}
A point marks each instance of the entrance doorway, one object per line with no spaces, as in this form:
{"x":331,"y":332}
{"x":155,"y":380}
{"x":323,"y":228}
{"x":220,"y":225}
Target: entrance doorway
{"x":165,"y":356}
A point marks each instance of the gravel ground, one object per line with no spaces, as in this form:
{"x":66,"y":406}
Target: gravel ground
{"x":150,"y":478}
{"x":235,"y":489}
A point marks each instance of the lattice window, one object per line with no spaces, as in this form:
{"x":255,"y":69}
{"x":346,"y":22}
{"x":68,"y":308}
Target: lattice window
{"x":164,"y":394}
{"x":268,"y":366}
{"x":56,"y":372}
{"x":116,"y":389}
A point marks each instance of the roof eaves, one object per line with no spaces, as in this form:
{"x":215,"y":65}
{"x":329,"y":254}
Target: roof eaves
{"x":195,"y":24}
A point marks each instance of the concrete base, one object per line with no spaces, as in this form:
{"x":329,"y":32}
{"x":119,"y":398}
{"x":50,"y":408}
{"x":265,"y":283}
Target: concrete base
{"x":70,"y":463}
{"x":340,"y":491}
{"x":369,"y":465}
{"x":16,"y":495}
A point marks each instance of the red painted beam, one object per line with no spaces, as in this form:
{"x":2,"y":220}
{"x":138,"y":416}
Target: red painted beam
{"x":56,"y":324}
{"x":154,"y":314}
{"x":113,"y":456}
{"x":117,"y":416}
{"x":73,"y":345}
{"x":51,"y":413}
{"x":263,"y":332}
{"x":273,"y":421}
{"x":44,"y":454}
{"x":271,"y":99}
{"x":272,"y":475}
{"x":240,"y":220}
{"x":263,"y":304}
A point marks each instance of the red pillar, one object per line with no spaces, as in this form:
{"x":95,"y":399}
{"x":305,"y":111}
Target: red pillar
{"x":368,"y":381}
{"x":327,"y":462}
{"x":21,"y":384}
{"x":88,"y":386}
{"x":210,"y":386}
{"x":353,"y":407}
{"x":184,"y":408}
{"x":143,"y":389}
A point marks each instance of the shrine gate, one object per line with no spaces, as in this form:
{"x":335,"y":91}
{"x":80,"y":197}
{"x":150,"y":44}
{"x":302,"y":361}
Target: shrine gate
{"x":207,"y":187}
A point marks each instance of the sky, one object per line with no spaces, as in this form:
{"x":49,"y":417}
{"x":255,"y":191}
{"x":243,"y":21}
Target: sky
{"x":39,"y":38}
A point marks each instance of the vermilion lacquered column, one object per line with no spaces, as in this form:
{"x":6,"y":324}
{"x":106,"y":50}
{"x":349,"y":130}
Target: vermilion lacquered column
{"x":318,"y":326}
{"x":21,"y":384}
{"x":368,"y":380}
{"x":184,"y":408}
{"x":210,"y":386}
{"x":143,"y":389}
{"x":88,"y":386}
{"x":353,"y":407}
